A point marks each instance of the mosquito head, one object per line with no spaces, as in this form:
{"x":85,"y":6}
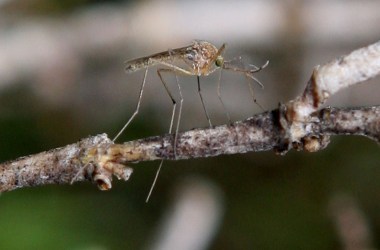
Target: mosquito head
{"x":219,"y":61}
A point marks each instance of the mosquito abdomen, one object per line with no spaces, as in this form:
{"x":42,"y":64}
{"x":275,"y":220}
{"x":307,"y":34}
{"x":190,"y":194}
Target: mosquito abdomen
{"x":148,"y":61}
{"x":137,"y":64}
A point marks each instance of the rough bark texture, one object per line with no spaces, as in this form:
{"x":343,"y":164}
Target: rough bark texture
{"x":56,"y":166}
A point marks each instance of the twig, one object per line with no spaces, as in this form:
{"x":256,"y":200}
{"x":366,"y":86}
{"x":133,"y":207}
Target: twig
{"x":59,"y":166}
{"x":297,"y":124}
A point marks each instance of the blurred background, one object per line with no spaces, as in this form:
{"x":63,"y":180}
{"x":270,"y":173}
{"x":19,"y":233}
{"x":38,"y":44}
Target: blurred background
{"x":62,"y":78}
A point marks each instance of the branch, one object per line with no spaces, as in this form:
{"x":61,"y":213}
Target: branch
{"x":298,"y":124}
{"x":59,"y":166}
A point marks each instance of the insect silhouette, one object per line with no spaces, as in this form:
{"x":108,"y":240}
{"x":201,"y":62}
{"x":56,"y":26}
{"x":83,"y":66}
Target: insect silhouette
{"x":201,"y":58}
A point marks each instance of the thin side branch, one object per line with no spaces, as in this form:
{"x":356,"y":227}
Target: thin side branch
{"x":299,"y":124}
{"x":356,"y":67}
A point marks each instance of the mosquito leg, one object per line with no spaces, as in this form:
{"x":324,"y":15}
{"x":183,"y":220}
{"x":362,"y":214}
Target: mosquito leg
{"x":203,"y":104}
{"x":255,"y":70}
{"x":220,"y":98}
{"x":253,"y":95}
{"x":137,"y":107}
{"x":178,"y":122}
{"x":238,"y":66}
{"x":173,"y":69}
{"x":159,"y":71}
{"x":179,"y":115}
{"x":180,"y":108}
{"x":154,"y":181}
{"x":171,"y":97}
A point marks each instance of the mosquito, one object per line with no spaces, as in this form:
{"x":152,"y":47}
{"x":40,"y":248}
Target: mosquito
{"x":201,"y":58}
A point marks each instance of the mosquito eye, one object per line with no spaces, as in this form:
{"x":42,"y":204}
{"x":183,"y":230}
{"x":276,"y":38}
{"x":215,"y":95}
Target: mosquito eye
{"x":219,"y":61}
